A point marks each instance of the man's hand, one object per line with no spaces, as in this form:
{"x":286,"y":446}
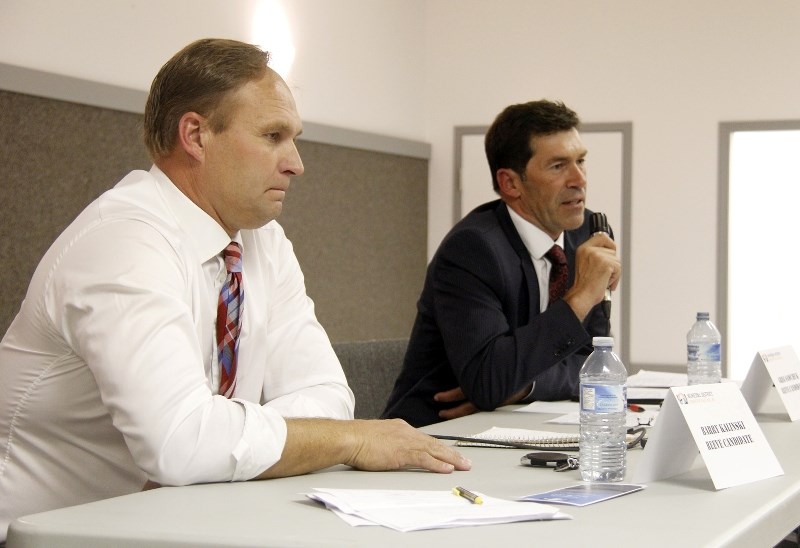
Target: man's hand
{"x":465,"y":406}
{"x":314,"y":444}
{"x":597,"y":268}
{"x":394,"y":445}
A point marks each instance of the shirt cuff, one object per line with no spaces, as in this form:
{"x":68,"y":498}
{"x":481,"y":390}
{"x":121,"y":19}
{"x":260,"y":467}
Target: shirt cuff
{"x":262,"y":442}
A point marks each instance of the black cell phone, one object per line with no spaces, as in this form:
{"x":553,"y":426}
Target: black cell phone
{"x":546,"y":459}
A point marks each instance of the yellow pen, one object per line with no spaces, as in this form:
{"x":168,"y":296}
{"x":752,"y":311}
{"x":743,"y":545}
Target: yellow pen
{"x":469,"y":495}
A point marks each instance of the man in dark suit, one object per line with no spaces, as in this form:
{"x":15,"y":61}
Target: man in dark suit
{"x":488,"y":332}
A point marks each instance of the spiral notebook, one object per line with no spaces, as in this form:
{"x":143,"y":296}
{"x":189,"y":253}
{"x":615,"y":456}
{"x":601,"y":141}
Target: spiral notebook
{"x":520,"y":436}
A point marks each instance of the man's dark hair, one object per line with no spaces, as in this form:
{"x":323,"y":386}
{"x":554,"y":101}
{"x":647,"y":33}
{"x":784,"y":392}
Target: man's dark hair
{"x":508,"y":141}
{"x":198,"y":79}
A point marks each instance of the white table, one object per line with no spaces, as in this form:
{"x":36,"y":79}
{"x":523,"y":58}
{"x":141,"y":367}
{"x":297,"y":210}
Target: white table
{"x":683,"y":511}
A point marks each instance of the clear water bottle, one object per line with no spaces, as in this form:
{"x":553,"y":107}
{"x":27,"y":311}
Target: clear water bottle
{"x":603,"y":395}
{"x":703,"y":351}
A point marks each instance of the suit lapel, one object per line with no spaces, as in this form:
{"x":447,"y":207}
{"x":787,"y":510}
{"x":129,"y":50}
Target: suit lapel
{"x":571,"y":241}
{"x":529,"y":274}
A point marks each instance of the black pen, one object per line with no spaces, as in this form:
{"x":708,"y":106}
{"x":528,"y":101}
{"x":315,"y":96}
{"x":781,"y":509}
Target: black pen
{"x":469,"y":495}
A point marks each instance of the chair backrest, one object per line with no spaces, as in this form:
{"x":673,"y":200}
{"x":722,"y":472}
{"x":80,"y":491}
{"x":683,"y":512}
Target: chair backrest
{"x":371,"y":368}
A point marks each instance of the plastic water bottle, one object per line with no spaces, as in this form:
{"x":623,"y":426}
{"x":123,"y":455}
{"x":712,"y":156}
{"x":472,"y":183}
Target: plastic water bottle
{"x":703,"y":351}
{"x":603,"y":394}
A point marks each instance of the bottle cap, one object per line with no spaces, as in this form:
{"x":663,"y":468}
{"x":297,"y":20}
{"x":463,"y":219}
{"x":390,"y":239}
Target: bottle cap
{"x":702,"y":315}
{"x":606,"y":342}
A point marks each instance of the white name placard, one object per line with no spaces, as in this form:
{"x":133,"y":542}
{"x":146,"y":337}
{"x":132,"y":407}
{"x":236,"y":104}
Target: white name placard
{"x":715,"y":420}
{"x":777,"y":367}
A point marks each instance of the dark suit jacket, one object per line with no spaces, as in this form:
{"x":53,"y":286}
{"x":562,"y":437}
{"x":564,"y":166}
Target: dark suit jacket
{"x":478,"y":324}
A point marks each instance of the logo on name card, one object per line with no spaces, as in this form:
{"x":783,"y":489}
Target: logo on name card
{"x":694,"y":397}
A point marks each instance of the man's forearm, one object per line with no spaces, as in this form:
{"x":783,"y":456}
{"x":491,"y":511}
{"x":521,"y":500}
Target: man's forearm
{"x":312,"y":444}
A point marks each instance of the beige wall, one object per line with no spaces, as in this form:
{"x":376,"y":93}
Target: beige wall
{"x":675,"y":70}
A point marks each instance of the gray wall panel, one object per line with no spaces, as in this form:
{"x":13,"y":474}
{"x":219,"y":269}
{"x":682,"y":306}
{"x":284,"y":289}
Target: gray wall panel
{"x":357,"y":218}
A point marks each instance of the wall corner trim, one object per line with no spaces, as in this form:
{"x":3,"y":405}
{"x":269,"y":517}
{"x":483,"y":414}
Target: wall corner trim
{"x":77,"y":90}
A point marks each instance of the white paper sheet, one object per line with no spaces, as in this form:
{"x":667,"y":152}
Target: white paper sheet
{"x":561,"y":407}
{"x":632,"y":419}
{"x":410,"y":510}
{"x":656,"y":379}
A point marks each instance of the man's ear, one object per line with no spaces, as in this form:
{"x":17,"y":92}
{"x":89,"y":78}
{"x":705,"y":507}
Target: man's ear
{"x":191,"y":134}
{"x":508,"y":183}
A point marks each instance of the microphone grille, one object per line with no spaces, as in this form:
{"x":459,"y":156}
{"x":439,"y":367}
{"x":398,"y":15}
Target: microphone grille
{"x":598,"y":223}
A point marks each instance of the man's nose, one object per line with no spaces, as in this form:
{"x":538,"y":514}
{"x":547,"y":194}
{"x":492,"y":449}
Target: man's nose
{"x":577,"y":176}
{"x":293,"y":164}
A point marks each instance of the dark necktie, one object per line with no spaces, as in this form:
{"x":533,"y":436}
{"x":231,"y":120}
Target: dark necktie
{"x":558,"y":273}
{"x":229,"y":314}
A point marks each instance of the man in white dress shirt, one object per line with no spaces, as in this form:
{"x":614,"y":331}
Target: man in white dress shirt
{"x":109,"y":375}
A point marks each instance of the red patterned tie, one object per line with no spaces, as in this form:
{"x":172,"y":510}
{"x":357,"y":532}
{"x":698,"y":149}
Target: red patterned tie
{"x":558,"y":273}
{"x":229,"y":314}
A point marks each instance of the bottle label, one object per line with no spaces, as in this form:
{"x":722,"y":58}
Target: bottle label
{"x":603,"y":398}
{"x":709,"y":352}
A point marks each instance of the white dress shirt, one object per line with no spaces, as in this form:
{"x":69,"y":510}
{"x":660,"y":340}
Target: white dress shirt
{"x":538,"y":243}
{"x":109,"y":375}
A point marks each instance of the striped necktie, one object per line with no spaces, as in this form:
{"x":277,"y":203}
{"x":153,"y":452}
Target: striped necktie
{"x":229,"y":314}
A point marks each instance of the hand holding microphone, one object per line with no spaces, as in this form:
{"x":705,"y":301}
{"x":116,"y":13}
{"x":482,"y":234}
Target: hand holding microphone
{"x":596,"y":263}
{"x":599,"y":223}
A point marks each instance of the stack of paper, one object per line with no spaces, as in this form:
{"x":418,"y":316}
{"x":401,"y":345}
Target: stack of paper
{"x":653,"y":385}
{"x":408,"y":510}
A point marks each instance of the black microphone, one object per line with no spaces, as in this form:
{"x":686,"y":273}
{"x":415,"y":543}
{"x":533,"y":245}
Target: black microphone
{"x":599,"y":223}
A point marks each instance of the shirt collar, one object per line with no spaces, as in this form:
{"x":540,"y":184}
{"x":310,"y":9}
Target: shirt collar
{"x":202,"y":232}
{"x":536,"y":241}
